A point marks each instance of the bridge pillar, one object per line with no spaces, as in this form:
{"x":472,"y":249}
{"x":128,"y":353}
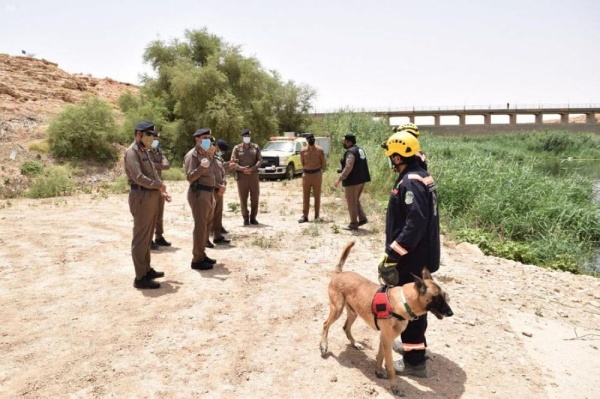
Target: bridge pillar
{"x":462,"y":119}
{"x":590,"y":118}
{"x":512,"y":119}
{"x":411,"y":119}
{"x":564,"y":118}
{"x":487,"y":119}
{"x":539,"y":119}
{"x":436,"y":120}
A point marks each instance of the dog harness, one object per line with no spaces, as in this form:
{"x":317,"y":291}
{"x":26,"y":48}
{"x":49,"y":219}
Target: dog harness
{"x":381,"y":308}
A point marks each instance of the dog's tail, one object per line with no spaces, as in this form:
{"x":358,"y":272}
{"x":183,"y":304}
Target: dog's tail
{"x":345,"y":253}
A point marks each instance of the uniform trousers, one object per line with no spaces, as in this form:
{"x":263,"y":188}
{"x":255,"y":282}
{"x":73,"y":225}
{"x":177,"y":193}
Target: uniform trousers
{"x":413,"y":338}
{"x":143,"y":205}
{"x":312,"y":181}
{"x":248,"y":185}
{"x":216,"y":224}
{"x":203,"y":206}
{"x":159,"y":218}
{"x":355,"y":208}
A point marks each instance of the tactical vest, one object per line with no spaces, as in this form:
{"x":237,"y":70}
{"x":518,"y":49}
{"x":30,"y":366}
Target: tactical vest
{"x":360,"y":171}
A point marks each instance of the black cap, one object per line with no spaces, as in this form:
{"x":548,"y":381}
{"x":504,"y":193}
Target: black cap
{"x":201,"y":132}
{"x":350,"y":137}
{"x":145,"y":126}
{"x":309,"y":136}
{"x":245,"y":131}
{"x":222,"y":144}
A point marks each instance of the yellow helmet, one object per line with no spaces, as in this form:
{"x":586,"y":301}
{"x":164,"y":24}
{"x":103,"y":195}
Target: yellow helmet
{"x":402,"y":143}
{"x":411,"y":128}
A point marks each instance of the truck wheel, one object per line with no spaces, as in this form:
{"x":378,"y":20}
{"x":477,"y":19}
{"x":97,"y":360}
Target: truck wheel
{"x":290,"y":172}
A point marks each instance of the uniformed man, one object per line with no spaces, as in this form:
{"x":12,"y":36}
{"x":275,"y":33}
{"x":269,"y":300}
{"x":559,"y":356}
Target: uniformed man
{"x":160,"y":163}
{"x":248,"y":159}
{"x":354,"y":176}
{"x":200,"y":168}
{"x":412,"y":240}
{"x":217,"y":223}
{"x":144,"y":197}
{"x":313,"y":165}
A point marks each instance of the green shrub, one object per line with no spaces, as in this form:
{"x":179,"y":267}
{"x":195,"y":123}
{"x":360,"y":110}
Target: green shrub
{"x":54,"y":182}
{"x":40,"y":146}
{"x":174,"y":174}
{"x":31,"y":168}
{"x":120,"y":185}
{"x":84,"y":132}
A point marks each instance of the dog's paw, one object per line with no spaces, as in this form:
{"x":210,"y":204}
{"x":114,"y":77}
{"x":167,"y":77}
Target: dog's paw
{"x":396,"y":391}
{"x":324,"y":352}
{"x":381,"y":373}
{"x":358,"y":346}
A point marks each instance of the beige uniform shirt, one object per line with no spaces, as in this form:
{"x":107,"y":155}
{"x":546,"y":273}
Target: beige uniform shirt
{"x":220,"y":175}
{"x":313,"y":157}
{"x":195,"y":172}
{"x":247,"y":155}
{"x":140,"y":169}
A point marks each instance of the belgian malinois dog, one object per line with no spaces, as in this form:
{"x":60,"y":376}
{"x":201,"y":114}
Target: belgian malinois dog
{"x":356,"y":293}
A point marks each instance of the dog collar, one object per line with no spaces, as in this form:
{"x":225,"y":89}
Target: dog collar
{"x":407,"y":306}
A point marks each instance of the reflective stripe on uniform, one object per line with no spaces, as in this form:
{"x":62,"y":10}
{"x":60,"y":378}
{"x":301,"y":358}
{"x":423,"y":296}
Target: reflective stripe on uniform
{"x":425,"y":180}
{"x":413,"y":347}
{"x":398,"y":248}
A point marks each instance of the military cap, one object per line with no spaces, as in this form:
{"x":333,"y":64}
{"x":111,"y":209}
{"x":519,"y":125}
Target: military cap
{"x":145,"y":126}
{"x":350,"y":137}
{"x":201,"y":132}
{"x":245,"y":131}
{"x":222,"y":144}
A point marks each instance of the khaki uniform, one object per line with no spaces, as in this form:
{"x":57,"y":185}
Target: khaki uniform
{"x":217,"y":222}
{"x":160,"y":163}
{"x":144,"y":198}
{"x":353,"y":193}
{"x":201,"y":197}
{"x":248,"y":155}
{"x":313,"y":164}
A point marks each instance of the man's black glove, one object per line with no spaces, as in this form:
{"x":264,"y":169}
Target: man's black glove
{"x":388,"y":274}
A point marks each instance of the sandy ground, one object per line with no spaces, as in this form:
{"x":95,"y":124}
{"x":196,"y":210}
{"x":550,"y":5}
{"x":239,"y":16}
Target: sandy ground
{"x":73,"y":326}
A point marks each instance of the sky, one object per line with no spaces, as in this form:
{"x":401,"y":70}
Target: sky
{"x":355,"y":54}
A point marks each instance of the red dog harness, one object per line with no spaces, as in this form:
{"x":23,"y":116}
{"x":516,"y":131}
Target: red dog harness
{"x":381,"y":308}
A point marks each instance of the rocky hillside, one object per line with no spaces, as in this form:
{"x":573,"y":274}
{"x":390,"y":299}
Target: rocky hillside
{"x":32,"y":91}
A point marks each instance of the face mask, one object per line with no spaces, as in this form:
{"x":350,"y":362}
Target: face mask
{"x":246,"y":140}
{"x":206,"y":144}
{"x":311,"y":141}
{"x":147,"y":140}
{"x":390,"y":164}
{"x":155,"y":144}
{"x":219,"y":153}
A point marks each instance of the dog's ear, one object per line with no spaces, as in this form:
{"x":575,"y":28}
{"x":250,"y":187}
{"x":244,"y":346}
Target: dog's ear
{"x":420,"y":284}
{"x":426,"y":274}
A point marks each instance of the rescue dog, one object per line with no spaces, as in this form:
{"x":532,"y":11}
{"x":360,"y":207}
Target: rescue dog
{"x":356,"y":293}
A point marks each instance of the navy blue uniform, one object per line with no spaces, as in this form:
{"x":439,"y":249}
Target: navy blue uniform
{"x":412,"y":228}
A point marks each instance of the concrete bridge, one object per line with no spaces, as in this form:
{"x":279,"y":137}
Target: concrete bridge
{"x":489,"y":119}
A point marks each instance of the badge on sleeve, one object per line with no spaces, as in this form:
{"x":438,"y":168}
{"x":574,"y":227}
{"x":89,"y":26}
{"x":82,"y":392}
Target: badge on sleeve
{"x":408,"y":198}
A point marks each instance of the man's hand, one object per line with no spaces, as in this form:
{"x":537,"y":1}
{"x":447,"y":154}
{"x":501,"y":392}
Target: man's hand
{"x":247,"y":170}
{"x":163,"y":188}
{"x":336,"y":183}
{"x":221,"y":191}
{"x":166,"y":196}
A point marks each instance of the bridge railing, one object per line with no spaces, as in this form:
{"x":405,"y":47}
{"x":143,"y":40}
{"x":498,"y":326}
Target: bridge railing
{"x":453,"y":108}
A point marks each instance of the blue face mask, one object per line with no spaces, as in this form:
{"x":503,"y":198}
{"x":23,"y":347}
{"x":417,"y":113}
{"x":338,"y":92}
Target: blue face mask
{"x":155,"y":144}
{"x":206,"y":144}
{"x":219,"y":153}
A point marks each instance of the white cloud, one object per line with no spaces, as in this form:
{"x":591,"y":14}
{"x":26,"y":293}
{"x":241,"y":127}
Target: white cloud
{"x":8,"y":8}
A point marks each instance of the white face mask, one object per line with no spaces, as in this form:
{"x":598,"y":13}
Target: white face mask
{"x":219,"y":153}
{"x":390,"y":165}
{"x":155,"y":144}
{"x":246,"y":140}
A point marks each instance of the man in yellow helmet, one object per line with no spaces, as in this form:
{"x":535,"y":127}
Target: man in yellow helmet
{"x":412,"y":240}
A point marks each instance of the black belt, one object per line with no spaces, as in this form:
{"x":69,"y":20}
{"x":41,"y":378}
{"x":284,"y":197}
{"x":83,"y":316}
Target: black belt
{"x":311,"y":171}
{"x":138,"y":187}
{"x":201,"y":187}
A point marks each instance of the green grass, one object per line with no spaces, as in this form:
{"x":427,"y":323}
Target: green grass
{"x":526,"y":196}
{"x":53,"y":182}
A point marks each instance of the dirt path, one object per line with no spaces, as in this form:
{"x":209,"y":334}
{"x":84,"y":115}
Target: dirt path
{"x":73,"y":326}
